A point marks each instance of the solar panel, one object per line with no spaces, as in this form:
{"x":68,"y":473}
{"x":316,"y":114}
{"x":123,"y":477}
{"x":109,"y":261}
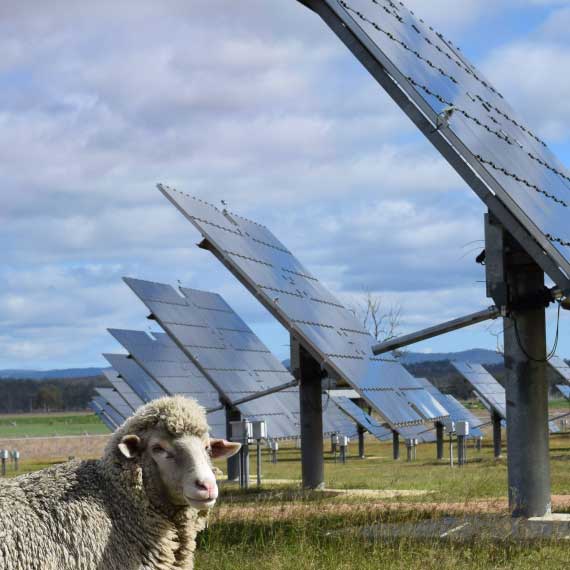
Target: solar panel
{"x":485,"y":386}
{"x":363,"y":419}
{"x":102,"y":415}
{"x":165,"y":363}
{"x":309,"y":311}
{"x":115,"y":417}
{"x":229,"y":355}
{"x":507,"y":165}
{"x":561,"y":368}
{"x":116,"y":401}
{"x":457,"y":411}
{"x":124,"y":389}
{"x":564,"y":390}
{"x":147,"y":389}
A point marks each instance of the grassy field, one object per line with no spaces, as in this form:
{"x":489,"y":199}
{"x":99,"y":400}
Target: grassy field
{"x":45,"y":425}
{"x":280,"y":527}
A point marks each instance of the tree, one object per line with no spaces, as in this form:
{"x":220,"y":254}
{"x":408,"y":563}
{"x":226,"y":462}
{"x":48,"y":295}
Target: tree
{"x":382,"y":321}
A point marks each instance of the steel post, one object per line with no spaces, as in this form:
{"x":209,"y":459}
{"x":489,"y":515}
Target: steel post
{"x":361,"y":432}
{"x":396,"y":445}
{"x":526,"y":386}
{"x":439,"y":440}
{"x":497,"y":436}
{"x":245,"y":465}
{"x":308,"y":371}
{"x":460,"y":449}
{"x":233,"y":463}
{"x":408,"y":451}
{"x":258,"y":463}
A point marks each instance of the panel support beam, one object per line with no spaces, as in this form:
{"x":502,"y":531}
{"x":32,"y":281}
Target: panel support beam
{"x":395,"y":445}
{"x":309,"y":374}
{"x":497,"y":435}
{"x":437,"y":330}
{"x":233,"y":463}
{"x":526,"y":381}
{"x":439,"y":440}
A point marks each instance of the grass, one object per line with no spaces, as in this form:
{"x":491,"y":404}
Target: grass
{"x":46,"y":425}
{"x":281,"y":527}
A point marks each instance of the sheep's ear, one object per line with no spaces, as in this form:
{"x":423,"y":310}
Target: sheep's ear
{"x":223,"y":448}
{"x":130,"y":446}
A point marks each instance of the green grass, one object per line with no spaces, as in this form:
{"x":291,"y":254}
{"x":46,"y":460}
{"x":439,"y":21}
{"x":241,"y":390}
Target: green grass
{"x":45,"y":425}
{"x":280,"y":527}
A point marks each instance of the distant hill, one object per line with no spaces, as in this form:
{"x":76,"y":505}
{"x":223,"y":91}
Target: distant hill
{"x":476,"y":355}
{"x":52,"y":374}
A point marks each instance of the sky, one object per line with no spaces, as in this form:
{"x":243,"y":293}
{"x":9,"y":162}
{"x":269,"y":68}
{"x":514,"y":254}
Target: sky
{"x":255,"y":103}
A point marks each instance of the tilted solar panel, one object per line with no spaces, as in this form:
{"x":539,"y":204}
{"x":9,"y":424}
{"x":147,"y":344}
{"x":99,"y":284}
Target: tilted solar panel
{"x":484,"y":385}
{"x":363,"y":419}
{"x":227,"y":353}
{"x":457,"y":411}
{"x":561,"y":368}
{"x":116,"y":401}
{"x":507,"y":165}
{"x":93,"y":405}
{"x":124,"y":389}
{"x":147,"y":389}
{"x":564,"y":390}
{"x":115,"y":417}
{"x":309,"y":311}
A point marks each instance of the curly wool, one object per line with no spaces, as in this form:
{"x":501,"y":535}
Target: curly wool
{"x":100,"y":515}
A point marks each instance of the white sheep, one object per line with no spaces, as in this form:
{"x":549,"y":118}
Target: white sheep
{"x":139,"y":507}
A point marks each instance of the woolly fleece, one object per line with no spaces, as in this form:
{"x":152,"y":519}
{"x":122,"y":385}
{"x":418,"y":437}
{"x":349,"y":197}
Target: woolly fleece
{"x":100,"y":514}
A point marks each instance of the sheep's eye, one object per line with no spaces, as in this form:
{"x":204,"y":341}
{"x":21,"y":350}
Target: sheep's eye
{"x":158,"y":449}
{"x":209,"y":450}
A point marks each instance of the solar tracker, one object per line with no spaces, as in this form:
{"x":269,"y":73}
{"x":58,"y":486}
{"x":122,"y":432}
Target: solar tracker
{"x":561,"y":368}
{"x":116,"y":401}
{"x":96,"y":407}
{"x":115,"y":417}
{"x":124,"y":389}
{"x":228,"y":355}
{"x":457,"y":411}
{"x":363,"y":419}
{"x":564,"y":390}
{"x":327,"y":329}
{"x":484,"y":385}
{"x":468,"y":120}
{"x":146,"y":388}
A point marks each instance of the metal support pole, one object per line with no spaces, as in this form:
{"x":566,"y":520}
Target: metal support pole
{"x":451,"y":450}
{"x":439,"y":440}
{"x":408,"y":451}
{"x":361,"y":432}
{"x":460,"y":450}
{"x":396,"y":445}
{"x":259,"y":463}
{"x":3,"y":467}
{"x":527,"y":398}
{"x":526,"y":381}
{"x":245,"y":459}
{"x":497,"y":437}
{"x":479,"y":443}
{"x":308,"y":371}
{"x":233,"y":463}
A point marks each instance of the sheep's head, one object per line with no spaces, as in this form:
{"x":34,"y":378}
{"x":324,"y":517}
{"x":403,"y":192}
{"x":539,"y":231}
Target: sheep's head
{"x":168,"y":438}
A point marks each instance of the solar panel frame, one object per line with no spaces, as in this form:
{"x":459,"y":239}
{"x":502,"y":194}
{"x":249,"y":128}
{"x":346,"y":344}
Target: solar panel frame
{"x":385,"y":51}
{"x":364,"y":420}
{"x":132,"y":398}
{"x":299,"y":302}
{"x":485,"y":385}
{"x":561,"y":368}
{"x":106,"y":408}
{"x":116,"y":401}
{"x":249,"y":367}
{"x":98,"y":410}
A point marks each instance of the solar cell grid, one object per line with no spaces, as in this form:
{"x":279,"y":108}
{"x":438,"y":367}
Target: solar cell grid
{"x":561,"y":368}
{"x":469,"y":118}
{"x":124,"y":389}
{"x":115,"y":417}
{"x":308,"y":309}
{"x":116,"y":401}
{"x":102,"y":415}
{"x":363,"y":419}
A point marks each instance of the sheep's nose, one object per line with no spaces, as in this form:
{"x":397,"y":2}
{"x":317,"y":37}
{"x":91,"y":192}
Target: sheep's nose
{"x":206,"y":486}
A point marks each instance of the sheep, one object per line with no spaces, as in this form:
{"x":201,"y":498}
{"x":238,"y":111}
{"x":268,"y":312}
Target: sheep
{"x":139,"y":507}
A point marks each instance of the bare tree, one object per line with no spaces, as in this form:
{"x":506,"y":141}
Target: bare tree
{"x":382,"y":321}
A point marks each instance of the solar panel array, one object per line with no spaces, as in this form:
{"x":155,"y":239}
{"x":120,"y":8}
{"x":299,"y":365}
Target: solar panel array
{"x":97,"y":407}
{"x":564,"y":390}
{"x":308,"y":310}
{"x":561,"y":368}
{"x":484,"y":385}
{"x":147,"y":388}
{"x":116,"y":401}
{"x":470,"y":120}
{"x":457,"y":411}
{"x":115,"y":417}
{"x":128,"y":394}
{"x":205,"y":332}
{"x":363,"y":419}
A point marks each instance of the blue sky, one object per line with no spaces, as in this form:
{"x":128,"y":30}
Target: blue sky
{"x":258,"y":104}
